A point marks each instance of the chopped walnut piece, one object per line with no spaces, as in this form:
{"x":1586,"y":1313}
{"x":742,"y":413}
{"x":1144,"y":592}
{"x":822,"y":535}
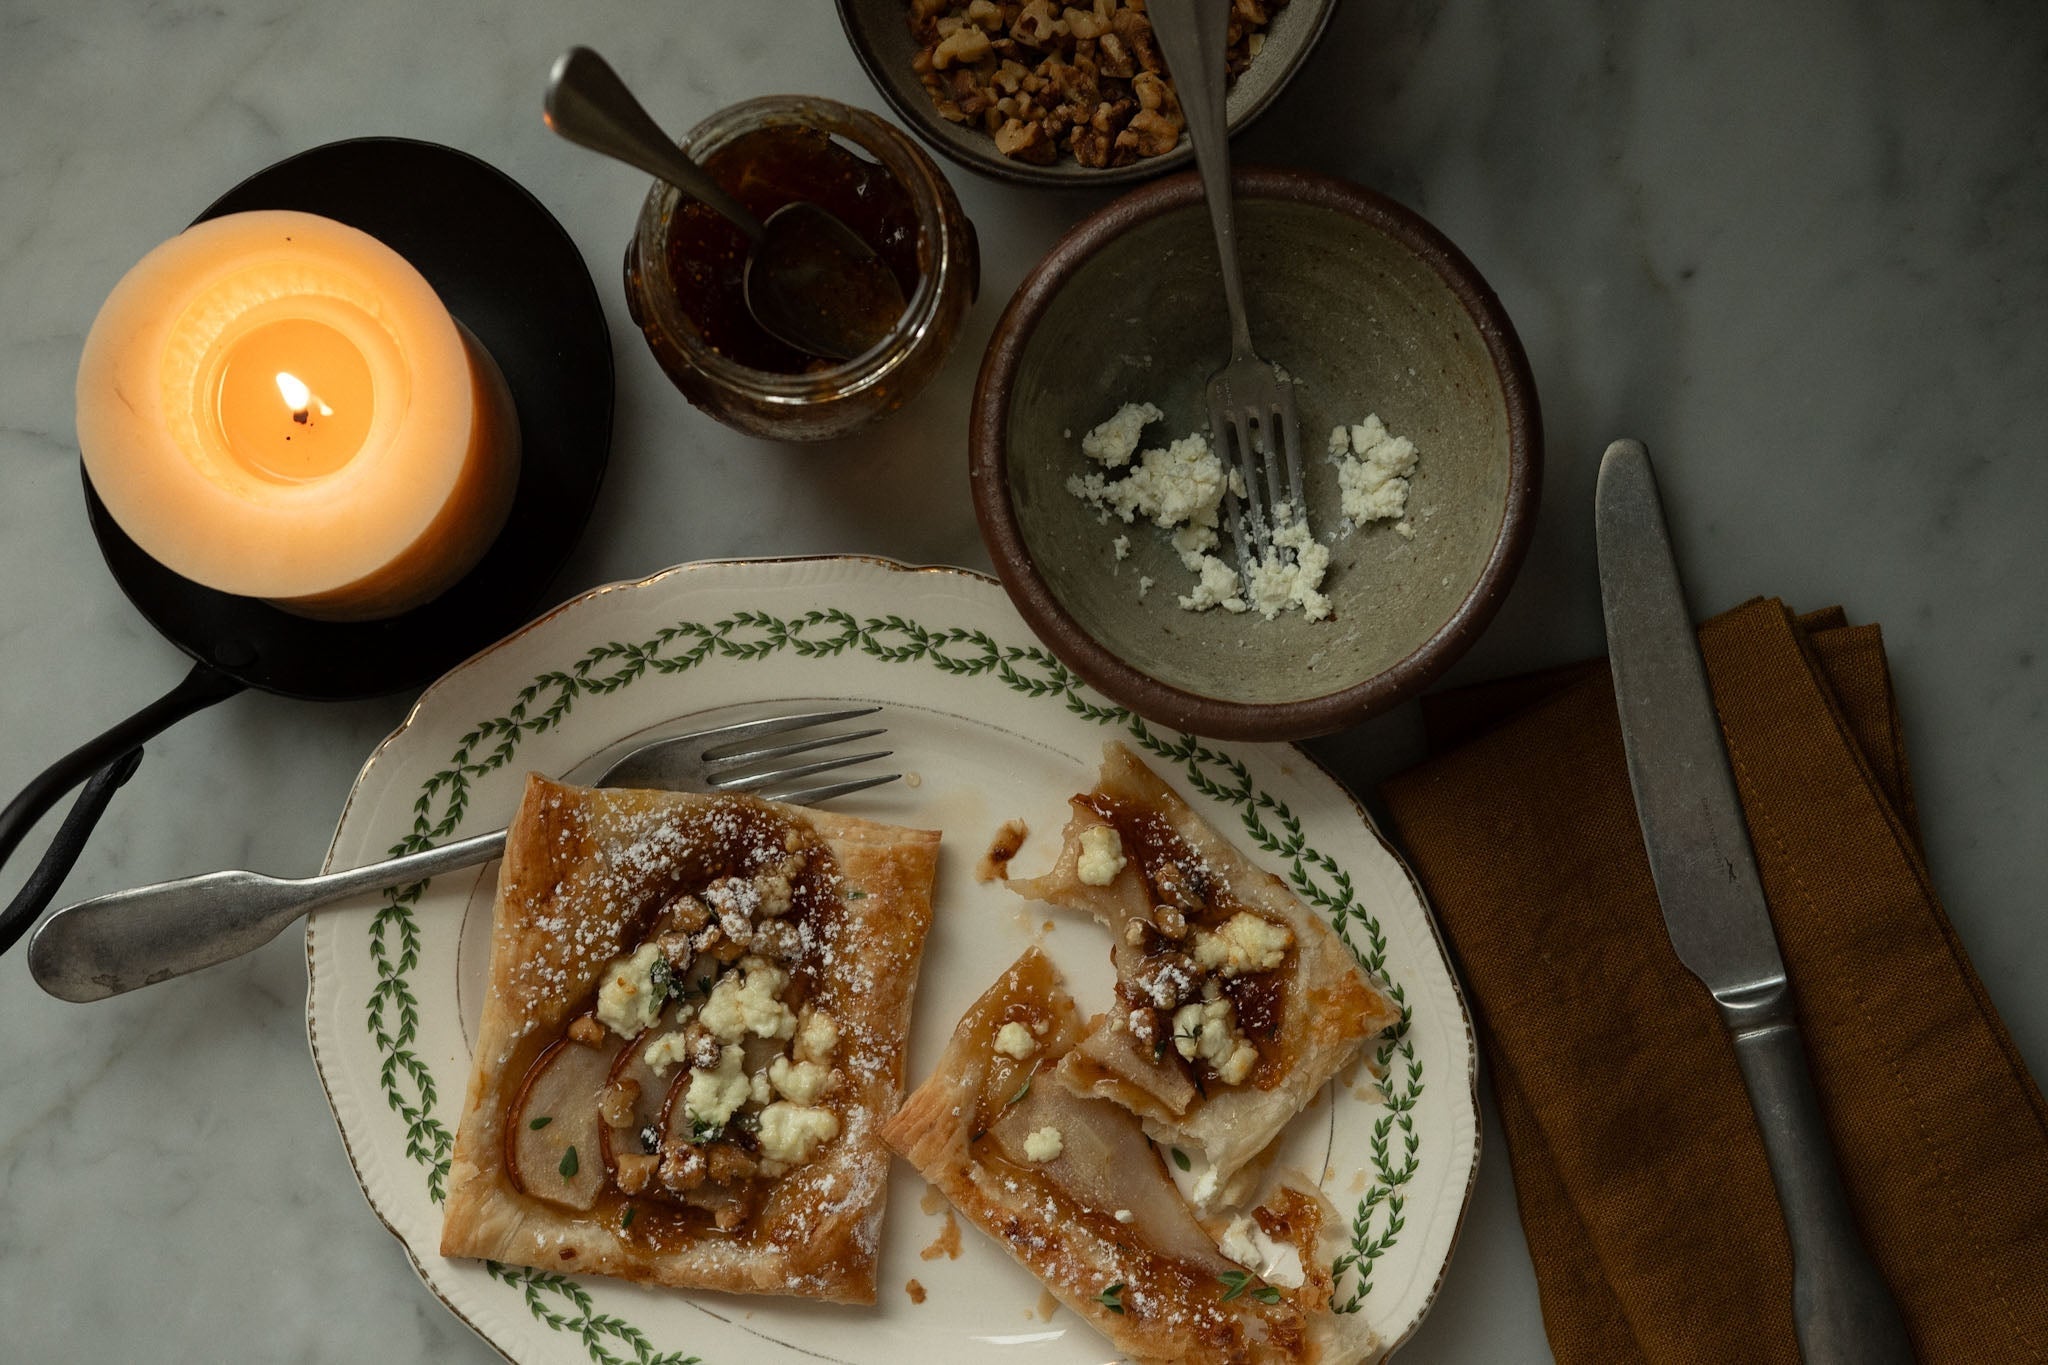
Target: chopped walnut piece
{"x":702,"y":1047}
{"x":617,"y":1102}
{"x":1166,"y":980}
{"x":1036,"y":25}
{"x":586,"y":1030}
{"x":728,"y":1164}
{"x":1025,"y":142}
{"x":683,"y":1168}
{"x":985,"y":15}
{"x":635,"y":1172}
{"x":964,"y":45}
{"x":1170,"y":921}
{"x":1156,"y":127}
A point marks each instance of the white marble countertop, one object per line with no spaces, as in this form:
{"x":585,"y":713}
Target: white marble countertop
{"x":1800,"y":249}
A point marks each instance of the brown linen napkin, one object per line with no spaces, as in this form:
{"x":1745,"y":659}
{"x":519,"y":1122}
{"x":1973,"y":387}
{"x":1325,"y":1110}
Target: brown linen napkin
{"x":1640,"y":1175}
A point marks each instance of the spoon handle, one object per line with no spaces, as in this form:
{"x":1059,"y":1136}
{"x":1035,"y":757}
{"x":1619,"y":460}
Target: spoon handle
{"x":1191,"y":36}
{"x":588,"y":104}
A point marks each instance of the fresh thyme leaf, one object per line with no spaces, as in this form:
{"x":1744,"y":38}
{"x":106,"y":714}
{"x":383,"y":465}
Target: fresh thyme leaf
{"x":856,"y":895}
{"x":568,"y":1166}
{"x":662,"y":978}
{"x":1235,"y":1282}
{"x":1266,"y":1294}
{"x":703,"y":1130}
{"x":1180,"y":1158}
{"x":1112,"y":1298}
{"x":1022,"y":1091}
{"x":543,"y":1121}
{"x":627,"y":1221}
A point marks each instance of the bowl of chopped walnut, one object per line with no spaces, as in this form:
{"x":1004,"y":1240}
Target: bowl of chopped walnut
{"x":1110,"y":513}
{"x":1062,"y":92}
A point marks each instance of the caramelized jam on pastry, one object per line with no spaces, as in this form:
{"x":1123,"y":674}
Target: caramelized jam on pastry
{"x":696,"y":1018}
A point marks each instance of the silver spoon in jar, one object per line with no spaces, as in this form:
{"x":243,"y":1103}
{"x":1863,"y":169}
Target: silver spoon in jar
{"x":809,"y":279}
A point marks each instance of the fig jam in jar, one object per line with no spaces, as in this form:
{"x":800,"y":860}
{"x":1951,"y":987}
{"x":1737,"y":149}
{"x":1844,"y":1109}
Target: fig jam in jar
{"x":686,"y":266}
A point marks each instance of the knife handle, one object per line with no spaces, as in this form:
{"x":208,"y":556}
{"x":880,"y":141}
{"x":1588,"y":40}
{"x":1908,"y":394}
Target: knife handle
{"x":1841,"y":1308}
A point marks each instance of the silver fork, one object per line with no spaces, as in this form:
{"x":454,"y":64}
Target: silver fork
{"x":119,"y":942}
{"x":1251,"y":411}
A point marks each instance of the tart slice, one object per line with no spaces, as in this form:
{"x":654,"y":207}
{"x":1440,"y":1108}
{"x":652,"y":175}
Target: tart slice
{"x":1069,"y":1185}
{"x":1235,"y":1002}
{"x":695,"y":1023}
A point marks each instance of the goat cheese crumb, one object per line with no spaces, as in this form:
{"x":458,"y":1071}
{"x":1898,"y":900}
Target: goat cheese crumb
{"x":1207,"y":1030}
{"x":1243,"y":943}
{"x":1277,"y":1263}
{"x":1043,"y":1144}
{"x":799,"y":1082}
{"x":745,"y":1002}
{"x":1121,"y":547}
{"x":817,"y":1033}
{"x":714,"y":1095}
{"x":792,"y":1133}
{"x":1114,"y":442}
{"x":628,"y":1001}
{"x":1124,"y":1216}
{"x":664,"y":1052}
{"x":1291,"y":572}
{"x":1373,"y":466}
{"x":1014,"y":1040}
{"x":1102,"y":855}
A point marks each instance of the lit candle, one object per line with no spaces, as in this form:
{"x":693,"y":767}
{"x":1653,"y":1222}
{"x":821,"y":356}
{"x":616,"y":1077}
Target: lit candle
{"x":278,"y":406}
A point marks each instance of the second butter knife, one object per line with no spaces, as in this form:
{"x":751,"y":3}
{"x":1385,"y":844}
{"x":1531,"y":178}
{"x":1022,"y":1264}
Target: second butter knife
{"x":1714,"y":910}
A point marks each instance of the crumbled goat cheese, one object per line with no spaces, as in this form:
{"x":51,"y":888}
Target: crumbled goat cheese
{"x":1207,"y":1029}
{"x":817,"y":1033}
{"x":1291,"y":572}
{"x":792,"y":1133}
{"x":1278,"y":1263}
{"x":759,"y":1089}
{"x":1217,"y":587}
{"x":776,"y":897}
{"x":1179,"y":485}
{"x":1014,"y":1040}
{"x":1121,"y":547}
{"x":745,"y":1002}
{"x":799,"y":1082}
{"x":1144,"y":586}
{"x":1373,"y":466}
{"x":1102,"y":855}
{"x":1113,"y":443}
{"x":714,"y":1095}
{"x":1125,"y":1216}
{"x":628,"y":1001}
{"x":1243,"y":943}
{"x":1043,"y":1144}
{"x":664,"y":1052}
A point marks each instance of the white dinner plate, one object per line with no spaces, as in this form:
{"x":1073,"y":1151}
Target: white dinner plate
{"x":986,"y":724}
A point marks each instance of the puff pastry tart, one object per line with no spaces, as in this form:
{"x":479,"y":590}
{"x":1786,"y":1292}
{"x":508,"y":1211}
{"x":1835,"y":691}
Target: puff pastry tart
{"x":695,"y":1024}
{"x":1235,"y":1002}
{"x":1069,"y":1185}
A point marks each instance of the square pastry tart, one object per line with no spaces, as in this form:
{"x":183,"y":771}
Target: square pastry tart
{"x":1235,"y":1002}
{"x":1069,"y":1185}
{"x":694,"y":1028}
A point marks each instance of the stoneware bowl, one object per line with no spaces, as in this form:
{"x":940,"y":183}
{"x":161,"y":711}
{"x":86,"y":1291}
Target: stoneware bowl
{"x":1370,"y":310}
{"x":880,"y":33}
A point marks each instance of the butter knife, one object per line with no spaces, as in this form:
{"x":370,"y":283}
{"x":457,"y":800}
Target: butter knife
{"x":1714,"y":910}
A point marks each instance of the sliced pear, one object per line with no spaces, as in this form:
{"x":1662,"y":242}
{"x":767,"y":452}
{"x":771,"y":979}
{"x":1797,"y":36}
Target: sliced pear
{"x":1106,"y":1163}
{"x":553,"y":1143}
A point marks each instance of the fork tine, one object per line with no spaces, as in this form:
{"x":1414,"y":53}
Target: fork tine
{"x":826,"y":791}
{"x":1290,"y":433}
{"x":775,"y":725}
{"x":729,"y":781}
{"x":1227,"y":451}
{"x":1273,"y":460}
{"x":1248,"y":470}
{"x":733,"y":755}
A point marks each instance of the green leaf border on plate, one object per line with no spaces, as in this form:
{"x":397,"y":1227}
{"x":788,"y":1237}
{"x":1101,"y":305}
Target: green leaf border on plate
{"x":751,"y":636}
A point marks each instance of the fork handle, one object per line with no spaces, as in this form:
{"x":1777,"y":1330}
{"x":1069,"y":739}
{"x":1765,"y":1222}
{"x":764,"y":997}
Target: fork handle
{"x":119,"y":942}
{"x":1191,"y":35}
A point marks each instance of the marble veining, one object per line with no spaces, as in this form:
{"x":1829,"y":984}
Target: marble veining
{"x":1800,"y":248}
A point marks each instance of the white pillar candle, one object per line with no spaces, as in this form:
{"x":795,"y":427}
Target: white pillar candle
{"x":279,"y":406}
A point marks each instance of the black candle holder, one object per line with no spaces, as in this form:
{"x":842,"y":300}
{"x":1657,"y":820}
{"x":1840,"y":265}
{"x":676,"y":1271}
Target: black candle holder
{"x":506,"y":269}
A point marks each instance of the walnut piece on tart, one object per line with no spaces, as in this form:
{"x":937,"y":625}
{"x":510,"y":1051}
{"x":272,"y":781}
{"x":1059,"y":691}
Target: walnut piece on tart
{"x":1235,"y":1002}
{"x":1068,"y":1184}
{"x":695,"y":1024}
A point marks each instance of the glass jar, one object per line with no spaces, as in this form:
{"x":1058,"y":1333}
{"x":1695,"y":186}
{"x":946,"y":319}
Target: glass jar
{"x":823,"y":403}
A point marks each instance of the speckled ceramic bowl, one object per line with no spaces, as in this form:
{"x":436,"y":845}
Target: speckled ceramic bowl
{"x":1371,"y":310}
{"x":879,"y":31}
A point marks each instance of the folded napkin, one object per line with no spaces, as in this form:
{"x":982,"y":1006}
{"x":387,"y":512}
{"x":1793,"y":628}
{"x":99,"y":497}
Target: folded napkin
{"x":1638,"y":1167}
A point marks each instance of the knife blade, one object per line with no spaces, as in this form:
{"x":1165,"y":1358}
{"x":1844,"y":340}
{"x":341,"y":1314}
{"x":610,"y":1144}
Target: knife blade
{"x":1714,"y":909}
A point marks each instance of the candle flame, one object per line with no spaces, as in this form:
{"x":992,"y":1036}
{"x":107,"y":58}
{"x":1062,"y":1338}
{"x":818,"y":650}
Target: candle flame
{"x":297,"y":396}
